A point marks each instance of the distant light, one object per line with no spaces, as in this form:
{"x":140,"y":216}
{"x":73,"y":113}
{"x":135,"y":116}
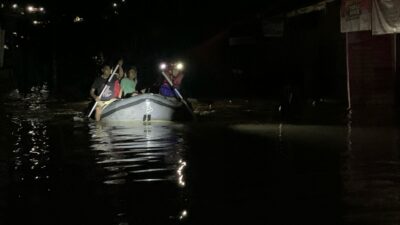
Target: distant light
{"x":78,"y":19}
{"x":17,"y":46}
{"x":163,"y":66}
{"x":30,"y":8}
{"x":123,"y":0}
{"x":179,"y":66}
{"x":15,"y":33}
{"x":22,"y":37}
{"x":2,"y":5}
{"x":183,"y":214}
{"x":5,"y":47}
{"x":35,"y":22}
{"x":115,"y":5}
{"x":14,"y":6}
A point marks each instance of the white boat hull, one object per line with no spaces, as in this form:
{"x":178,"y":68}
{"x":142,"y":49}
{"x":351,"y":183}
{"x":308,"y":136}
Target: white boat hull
{"x":145,"y":107}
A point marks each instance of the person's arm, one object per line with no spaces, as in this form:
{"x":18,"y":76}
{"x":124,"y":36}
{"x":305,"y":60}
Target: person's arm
{"x":120,"y":94}
{"x":122,"y":85}
{"x":93,"y":95}
{"x":120,"y":69}
{"x":178,"y":81}
{"x":140,"y":88}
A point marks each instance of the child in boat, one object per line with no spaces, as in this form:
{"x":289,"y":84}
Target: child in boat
{"x":129,"y":83}
{"x":120,"y":75}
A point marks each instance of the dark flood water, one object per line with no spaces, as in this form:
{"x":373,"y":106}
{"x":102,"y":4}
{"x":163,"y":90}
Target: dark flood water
{"x":57,"y":171}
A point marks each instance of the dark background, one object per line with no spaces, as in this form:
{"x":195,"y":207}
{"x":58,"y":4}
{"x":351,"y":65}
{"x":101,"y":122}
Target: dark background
{"x":308,"y":58}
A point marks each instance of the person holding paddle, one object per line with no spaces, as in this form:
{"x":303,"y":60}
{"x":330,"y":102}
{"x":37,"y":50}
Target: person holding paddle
{"x":108,"y":95}
{"x":175,"y":75}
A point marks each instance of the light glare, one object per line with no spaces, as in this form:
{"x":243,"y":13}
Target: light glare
{"x":78,"y":19}
{"x":179,"y":66}
{"x":163,"y":66}
{"x":183,"y":215}
{"x":30,"y":8}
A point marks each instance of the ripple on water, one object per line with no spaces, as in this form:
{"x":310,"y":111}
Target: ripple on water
{"x":137,"y":153}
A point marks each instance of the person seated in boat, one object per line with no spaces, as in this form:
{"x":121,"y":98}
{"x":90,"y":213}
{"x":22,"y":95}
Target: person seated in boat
{"x":175,"y":74}
{"x":129,"y":83}
{"x":121,"y":74}
{"x":109,"y":95}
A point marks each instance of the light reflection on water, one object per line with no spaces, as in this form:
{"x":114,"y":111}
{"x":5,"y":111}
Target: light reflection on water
{"x":369,"y":165}
{"x":31,"y":150}
{"x":133,"y":173}
{"x":125,"y":173}
{"x":138,"y":153}
{"x":371,"y":172}
{"x":142,"y":157}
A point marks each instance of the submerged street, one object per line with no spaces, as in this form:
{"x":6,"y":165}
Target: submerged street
{"x":125,"y":112}
{"x":243,"y":169}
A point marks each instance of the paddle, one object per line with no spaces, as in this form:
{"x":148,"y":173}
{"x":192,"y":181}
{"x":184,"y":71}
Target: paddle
{"x":104,"y":88}
{"x":178,"y":94}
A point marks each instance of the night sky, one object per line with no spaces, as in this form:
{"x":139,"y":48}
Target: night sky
{"x":71,"y":39}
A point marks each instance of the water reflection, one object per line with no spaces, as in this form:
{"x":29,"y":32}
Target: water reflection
{"x":30,"y":188}
{"x":368,"y":159}
{"x":139,"y":153}
{"x":31,"y":150}
{"x":371,"y":171}
{"x":150,"y":160}
{"x":29,"y":156}
{"x":31,"y":146}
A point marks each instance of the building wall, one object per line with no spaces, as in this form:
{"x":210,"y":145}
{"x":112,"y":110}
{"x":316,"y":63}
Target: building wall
{"x":371,"y":69}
